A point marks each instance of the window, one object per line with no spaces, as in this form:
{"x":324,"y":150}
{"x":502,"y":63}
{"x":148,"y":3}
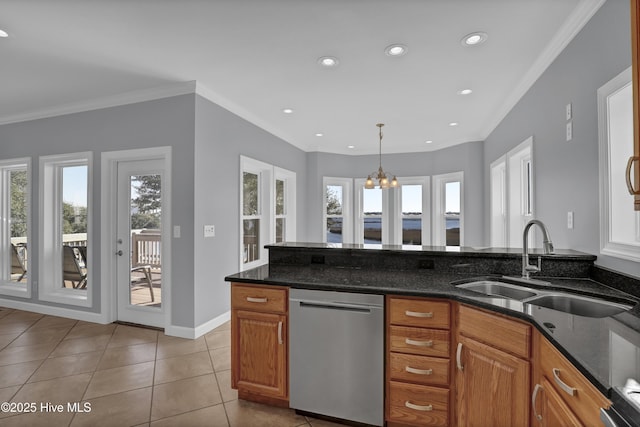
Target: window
{"x":512,"y":189}
{"x":619,"y":223}
{"x":337,"y":217}
{"x":413,"y":226}
{"x":448,"y":209}
{"x":14,"y":228}
{"x":268,"y":213}
{"x":372,"y":222}
{"x":65,"y":227}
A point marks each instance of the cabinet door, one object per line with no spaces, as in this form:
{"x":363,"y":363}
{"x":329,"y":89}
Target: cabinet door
{"x":551,"y":408}
{"x":493,"y":386}
{"x":259,"y":353}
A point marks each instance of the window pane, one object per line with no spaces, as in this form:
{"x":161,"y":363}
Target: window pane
{"x":372,"y":215}
{"x":411,"y":214}
{"x":279,"y":197}
{"x":74,"y":226}
{"x":334,"y":200}
{"x":280,"y":227}
{"x":452,"y":213}
{"x":251,"y":239}
{"x":18,"y":224}
{"x":334,"y":230}
{"x":250,"y":193}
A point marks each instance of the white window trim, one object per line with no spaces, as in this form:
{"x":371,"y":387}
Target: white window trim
{"x":289,"y":178}
{"x":22,"y":290}
{"x":426,"y":211}
{"x":265,"y":173}
{"x":516,"y":209}
{"x":498,"y":203}
{"x":347,"y":207}
{"x":50,"y":245}
{"x":439,"y":206}
{"x":608,"y":246}
{"x":359,"y":217}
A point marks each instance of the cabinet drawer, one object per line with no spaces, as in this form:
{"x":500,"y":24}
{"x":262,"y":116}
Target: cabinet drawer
{"x":421,"y":313}
{"x":418,"y":405}
{"x":586,"y":400}
{"x":426,"y":342}
{"x":419,"y":369}
{"x":508,"y":335}
{"x":259,"y":298}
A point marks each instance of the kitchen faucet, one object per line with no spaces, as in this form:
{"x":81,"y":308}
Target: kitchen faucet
{"x":546,"y":244}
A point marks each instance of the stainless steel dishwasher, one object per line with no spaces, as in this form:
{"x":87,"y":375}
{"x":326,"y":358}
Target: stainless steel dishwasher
{"x":336,"y":354}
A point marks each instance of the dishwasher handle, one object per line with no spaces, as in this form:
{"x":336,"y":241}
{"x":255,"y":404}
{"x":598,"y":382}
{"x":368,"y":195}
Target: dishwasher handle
{"x":335,"y":306}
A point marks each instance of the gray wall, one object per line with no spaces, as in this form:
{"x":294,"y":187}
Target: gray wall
{"x":165,"y":122}
{"x":566,"y":173}
{"x":220,"y":138}
{"x":464,"y":157}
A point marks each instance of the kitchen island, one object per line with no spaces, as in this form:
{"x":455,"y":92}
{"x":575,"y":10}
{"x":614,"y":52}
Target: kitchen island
{"x":604,"y":350}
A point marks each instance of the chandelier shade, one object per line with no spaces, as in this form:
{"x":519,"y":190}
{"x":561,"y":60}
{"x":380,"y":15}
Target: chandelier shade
{"x":380,"y":176}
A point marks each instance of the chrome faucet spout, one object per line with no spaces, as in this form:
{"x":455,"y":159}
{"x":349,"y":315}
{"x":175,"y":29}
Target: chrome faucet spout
{"x":547,"y":247}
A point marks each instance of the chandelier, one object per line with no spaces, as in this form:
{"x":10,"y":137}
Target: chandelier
{"x":383,"y":181}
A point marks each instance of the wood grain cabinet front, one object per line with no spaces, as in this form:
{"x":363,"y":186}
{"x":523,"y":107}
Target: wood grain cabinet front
{"x":418,"y":386}
{"x":259,"y":344}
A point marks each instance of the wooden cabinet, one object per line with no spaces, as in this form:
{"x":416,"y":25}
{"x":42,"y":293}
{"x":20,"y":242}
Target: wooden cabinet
{"x":561,"y":391}
{"x":493,"y":370}
{"x":418,"y":389}
{"x":633,"y":167}
{"x":259,"y":349}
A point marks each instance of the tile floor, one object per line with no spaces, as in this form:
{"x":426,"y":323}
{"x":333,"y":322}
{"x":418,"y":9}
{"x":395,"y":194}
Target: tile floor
{"x":129,"y":376}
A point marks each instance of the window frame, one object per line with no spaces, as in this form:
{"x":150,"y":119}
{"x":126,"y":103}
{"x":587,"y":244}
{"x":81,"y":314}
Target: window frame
{"x":50,"y":221}
{"x":7,"y":287}
{"x":397,"y":218}
{"x":289,"y":215}
{"x":608,"y":246}
{"x":347,"y":207}
{"x":385,"y":223}
{"x":439,"y":234}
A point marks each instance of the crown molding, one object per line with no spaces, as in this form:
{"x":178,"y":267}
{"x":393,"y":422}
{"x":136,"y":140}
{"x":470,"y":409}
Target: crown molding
{"x":571,"y":27}
{"x":132,"y":97}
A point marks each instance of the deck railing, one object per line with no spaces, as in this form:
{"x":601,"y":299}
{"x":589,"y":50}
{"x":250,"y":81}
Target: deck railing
{"x":146,"y":247}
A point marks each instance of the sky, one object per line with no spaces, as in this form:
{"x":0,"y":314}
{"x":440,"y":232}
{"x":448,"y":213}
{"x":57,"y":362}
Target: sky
{"x":74,"y":185}
{"x":412,"y":198}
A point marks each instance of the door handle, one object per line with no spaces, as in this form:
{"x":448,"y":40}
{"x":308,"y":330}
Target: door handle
{"x":119,"y":253}
{"x":280,"y":332}
{"x":632,"y":191}
{"x":459,"y":357}
{"x":534,"y":397}
{"x":571,"y":391}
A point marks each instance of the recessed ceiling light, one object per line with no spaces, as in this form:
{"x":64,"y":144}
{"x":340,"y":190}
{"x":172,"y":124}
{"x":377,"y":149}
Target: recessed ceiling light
{"x":452,"y":124}
{"x":4,"y":33}
{"x":428,"y":141}
{"x":395,"y":50}
{"x":464,"y":92}
{"x":351,"y":146}
{"x":328,"y":61}
{"x":287,"y":110}
{"x":474,"y":39}
{"x":319,"y":134}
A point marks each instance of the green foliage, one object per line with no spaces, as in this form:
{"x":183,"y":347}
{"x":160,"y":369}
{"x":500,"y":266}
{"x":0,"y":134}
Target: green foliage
{"x":74,"y":218}
{"x":334,"y":204}
{"x":249,"y":193}
{"x":18,"y":203}
{"x":148,"y":202}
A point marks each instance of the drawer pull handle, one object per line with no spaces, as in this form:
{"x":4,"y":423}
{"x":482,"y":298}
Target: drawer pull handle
{"x":556,"y":376}
{"x":418,"y":371}
{"x":459,"y":357}
{"x":537,"y":388}
{"x":252,"y":299}
{"x":632,"y":191}
{"x":418,"y":407}
{"x":428,"y":315}
{"x":428,"y":343}
{"x":280,"y":332}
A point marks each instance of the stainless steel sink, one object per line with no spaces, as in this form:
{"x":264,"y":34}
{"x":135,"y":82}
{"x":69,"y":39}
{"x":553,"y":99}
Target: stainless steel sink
{"x":500,"y":289}
{"x":556,"y":300}
{"x":579,"y":305}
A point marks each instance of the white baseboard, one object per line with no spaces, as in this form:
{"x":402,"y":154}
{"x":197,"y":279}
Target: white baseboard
{"x":50,"y":310}
{"x":198,"y":331}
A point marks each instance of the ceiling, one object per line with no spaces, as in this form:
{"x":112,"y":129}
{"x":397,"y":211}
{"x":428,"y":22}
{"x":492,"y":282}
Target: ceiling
{"x":257,"y":57}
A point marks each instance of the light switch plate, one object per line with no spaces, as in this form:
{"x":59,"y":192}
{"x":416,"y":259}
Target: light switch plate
{"x":569,"y":113}
{"x":570,"y":220}
{"x":569,"y":131}
{"x":176,"y":231}
{"x":209,"y":231}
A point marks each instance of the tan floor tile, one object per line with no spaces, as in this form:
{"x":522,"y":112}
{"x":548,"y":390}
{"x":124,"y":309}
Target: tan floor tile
{"x":129,"y":355}
{"x":57,"y":367}
{"x":173,"y":346}
{"x":212,"y":416}
{"x":81,"y":345}
{"x":23,"y":315}
{"x":121,"y":409}
{"x":218,"y":339}
{"x":54,"y":322}
{"x":39,"y":419}
{"x":242,"y":413}
{"x":6,"y":394}
{"x":180,"y":367}
{"x":224,"y":382}
{"x":182,"y":396}
{"x":11,"y":355}
{"x":6,"y":339}
{"x":121,"y":379}
{"x":15,"y":326}
{"x":40,"y":336}
{"x":86,"y":330}
{"x":322,"y":423}
{"x":5,"y":312}
{"x":17,"y":374}
{"x":130,"y":335}
{"x":59,"y":390}
{"x":221,"y":358}
{"x":226,"y":326}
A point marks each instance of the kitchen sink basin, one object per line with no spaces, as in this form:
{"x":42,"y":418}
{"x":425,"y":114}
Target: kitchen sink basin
{"x":579,"y":305}
{"x":500,"y":289}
